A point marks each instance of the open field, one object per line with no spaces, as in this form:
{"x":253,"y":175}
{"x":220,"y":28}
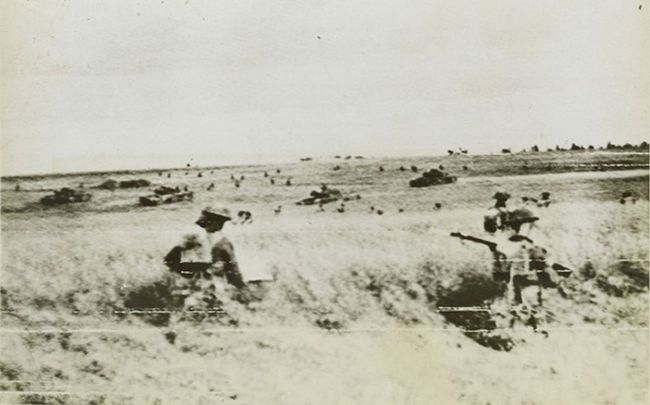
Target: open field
{"x":353,"y":314}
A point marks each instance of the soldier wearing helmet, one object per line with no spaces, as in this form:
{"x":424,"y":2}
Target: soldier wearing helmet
{"x":202,"y":256}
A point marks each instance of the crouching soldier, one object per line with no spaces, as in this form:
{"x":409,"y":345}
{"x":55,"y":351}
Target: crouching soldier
{"x":523,"y":263}
{"x":201,"y":257}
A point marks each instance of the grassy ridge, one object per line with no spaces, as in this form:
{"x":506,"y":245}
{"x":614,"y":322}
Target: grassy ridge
{"x":377,"y":280}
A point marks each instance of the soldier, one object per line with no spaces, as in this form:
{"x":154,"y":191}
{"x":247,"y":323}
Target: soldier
{"x":518,"y":260}
{"x":203,"y":255}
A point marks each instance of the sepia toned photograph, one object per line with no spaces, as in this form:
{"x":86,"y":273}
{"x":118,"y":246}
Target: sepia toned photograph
{"x":324,"y":202}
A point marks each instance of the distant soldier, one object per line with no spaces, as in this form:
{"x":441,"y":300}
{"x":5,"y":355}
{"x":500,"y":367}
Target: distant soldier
{"x":200,"y":174}
{"x":169,"y":175}
{"x":414,"y":169}
{"x":245,"y":217}
{"x":17,"y":187}
{"x":288,"y":182}
{"x":278,"y":171}
{"x":500,"y":198}
{"x":381,"y":168}
{"x":202,"y":256}
{"x":242,"y":177}
{"x":341,"y":208}
{"x":277,"y":210}
{"x":266,"y":174}
{"x":272,"y":181}
{"x":402,"y":168}
{"x":210,"y":187}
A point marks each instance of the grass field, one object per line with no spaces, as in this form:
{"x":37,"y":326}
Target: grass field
{"x":353,"y":314}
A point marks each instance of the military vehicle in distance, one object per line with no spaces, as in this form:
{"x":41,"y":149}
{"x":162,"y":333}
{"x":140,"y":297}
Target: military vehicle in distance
{"x":65,"y":196}
{"x":432,"y":177}
{"x":166,"y":195}
{"x":324,"y":196}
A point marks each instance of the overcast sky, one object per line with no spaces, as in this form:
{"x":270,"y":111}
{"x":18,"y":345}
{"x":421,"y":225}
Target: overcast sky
{"x":94,"y":85}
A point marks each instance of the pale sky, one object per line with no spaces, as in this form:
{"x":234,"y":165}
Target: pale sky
{"x":96,"y":85}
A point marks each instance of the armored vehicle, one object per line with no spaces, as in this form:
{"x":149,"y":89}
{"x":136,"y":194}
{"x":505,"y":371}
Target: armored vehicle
{"x":64,"y":196}
{"x":432,"y":177}
{"x":167,"y":198}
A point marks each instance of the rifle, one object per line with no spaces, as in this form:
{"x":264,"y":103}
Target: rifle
{"x":491,"y":245}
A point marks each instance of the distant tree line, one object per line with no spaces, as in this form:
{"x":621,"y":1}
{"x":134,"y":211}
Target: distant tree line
{"x":643,"y":146}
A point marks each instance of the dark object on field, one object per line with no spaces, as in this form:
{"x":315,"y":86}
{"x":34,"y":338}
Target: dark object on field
{"x":272,"y":181}
{"x":545,"y":199}
{"x":288,"y":183}
{"x":186,"y":189}
{"x":266,"y":174}
{"x":504,"y":150}
{"x":337,"y":167}
{"x":324,"y":196}
{"x":109,"y":185}
{"x":232,"y":177}
{"x":129,"y":183}
{"x":159,"y":174}
{"x":163,"y":190}
{"x":242,"y":178}
{"x":348,"y":157}
{"x":380,"y":212}
{"x":372,"y":209}
{"x":414,"y":169}
{"x":450,"y":152}
{"x":17,"y":187}
{"x":341,"y":208}
{"x":277,"y":210}
{"x":337,"y":157}
{"x":278,"y":171}
{"x":501,"y":198}
{"x":463,"y":151}
{"x":199,"y":175}
{"x":245,"y":217}
{"x":237,"y":183}
{"x":402,"y":169}
{"x":381,"y":168}
{"x":441,"y":167}
{"x":210,"y":187}
{"x":64,"y":196}
{"x":437,"y":206}
{"x":169,"y":175}
{"x":359,"y":157}
{"x":81,"y":185}
{"x":465,"y":168}
{"x":305,"y":159}
{"x":400,"y":210}
{"x":170,"y":198}
{"x":431,"y":178}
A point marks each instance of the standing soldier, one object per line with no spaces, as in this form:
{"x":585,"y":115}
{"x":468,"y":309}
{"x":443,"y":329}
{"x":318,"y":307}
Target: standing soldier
{"x":201,"y":257}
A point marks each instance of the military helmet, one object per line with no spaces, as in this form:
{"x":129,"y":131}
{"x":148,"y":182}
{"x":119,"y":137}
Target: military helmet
{"x":216,"y":211}
{"x":500,"y":195}
{"x":521,"y":216}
